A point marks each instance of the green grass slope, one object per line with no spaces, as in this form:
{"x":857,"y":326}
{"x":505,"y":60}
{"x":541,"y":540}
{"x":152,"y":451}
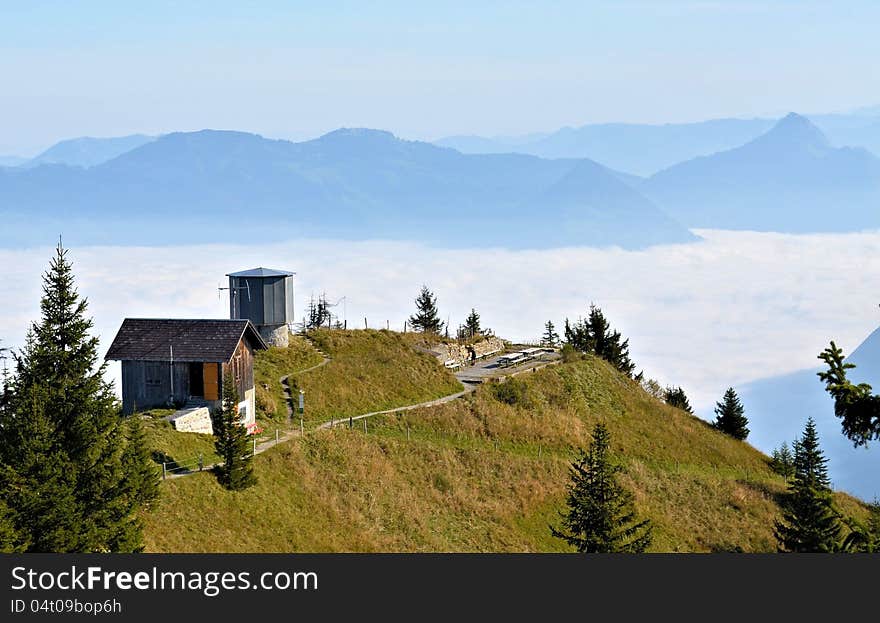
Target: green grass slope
{"x":476,"y":474}
{"x":369,"y":371}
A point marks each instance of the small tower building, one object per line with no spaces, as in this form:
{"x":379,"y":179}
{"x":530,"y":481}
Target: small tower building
{"x":265,"y":297}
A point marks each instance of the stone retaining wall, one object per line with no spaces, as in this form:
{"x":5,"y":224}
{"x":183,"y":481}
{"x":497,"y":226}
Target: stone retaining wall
{"x":459,"y":355}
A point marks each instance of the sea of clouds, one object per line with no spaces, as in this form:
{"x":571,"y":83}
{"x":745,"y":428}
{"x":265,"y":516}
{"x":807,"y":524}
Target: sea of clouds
{"x":732,"y":308}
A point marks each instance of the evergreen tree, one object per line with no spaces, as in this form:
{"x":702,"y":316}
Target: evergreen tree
{"x":63,"y":434}
{"x":141,"y":486}
{"x":231,"y":442}
{"x":472,"y":324}
{"x":595,"y":336}
{"x":864,"y":538}
{"x":426,"y":319}
{"x":550,"y":337}
{"x":809,"y":521}
{"x":38,"y":480}
{"x":600,"y":516}
{"x":10,"y":539}
{"x":318,"y":312}
{"x":675,"y":397}
{"x":731,"y":418}
{"x":782,"y":461}
{"x":856,"y":406}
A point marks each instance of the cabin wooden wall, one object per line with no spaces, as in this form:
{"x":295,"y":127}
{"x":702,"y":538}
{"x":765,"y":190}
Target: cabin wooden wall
{"x":147,"y":384}
{"x":241,"y":366}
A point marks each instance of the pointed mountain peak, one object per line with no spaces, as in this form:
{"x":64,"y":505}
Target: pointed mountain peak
{"x":795,"y":130}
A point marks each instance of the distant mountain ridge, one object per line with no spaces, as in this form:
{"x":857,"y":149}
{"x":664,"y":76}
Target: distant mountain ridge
{"x":350,"y":183}
{"x":789,"y":179}
{"x":645,"y":149}
{"x":86,"y":151}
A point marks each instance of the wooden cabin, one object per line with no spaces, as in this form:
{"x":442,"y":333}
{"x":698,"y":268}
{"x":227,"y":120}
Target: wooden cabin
{"x":174,"y":363}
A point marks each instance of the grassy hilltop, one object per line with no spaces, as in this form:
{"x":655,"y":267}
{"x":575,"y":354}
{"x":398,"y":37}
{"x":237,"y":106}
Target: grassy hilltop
{"x":476,"y":474}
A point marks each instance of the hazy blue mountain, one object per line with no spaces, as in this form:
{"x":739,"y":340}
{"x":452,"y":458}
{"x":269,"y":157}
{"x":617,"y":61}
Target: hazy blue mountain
{"x":789,"y":179}
{"x":88,"y":151}
{"x":859,"y":129}
{"x":593,"y":204}
{"x":778,"y":407}
{"x":639,"y":149}
{"x":11,"y":161}
{"x":351,"y":183}
{"x":644,"y":149}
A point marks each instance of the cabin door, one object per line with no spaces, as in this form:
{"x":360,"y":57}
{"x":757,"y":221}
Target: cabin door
{"x":196,"y":380}
{"x":211,"y":379}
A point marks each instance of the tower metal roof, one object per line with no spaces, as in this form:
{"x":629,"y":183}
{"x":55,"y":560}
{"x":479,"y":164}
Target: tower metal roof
{"x":261,"y":272}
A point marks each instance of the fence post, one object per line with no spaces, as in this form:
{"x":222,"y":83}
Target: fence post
{"x":365,"y":425}
{"x":163,"y":470}
{"x":350,"y":422}
{"x":276,"y":436}
{"x":302,"y":430}
{"x":365,"y":322}
{"x":201,"y":462}
{"x":255,"y":446}
{"x":407,"y":431}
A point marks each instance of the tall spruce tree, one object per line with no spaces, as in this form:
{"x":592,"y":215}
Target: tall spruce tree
{"x":594,"y":335}
{"x":731,"y":418}
{"x":427,"y":318}
{"x":600,"y":516}
{"x":551,"y":336}
{"x":675,"y":397}
{"x":472,"y":324}
{"x":236,"y":472}
{"x":809,"y":522}
{"x":62,"y":466}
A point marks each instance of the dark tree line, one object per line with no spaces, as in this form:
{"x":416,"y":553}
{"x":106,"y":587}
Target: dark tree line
{"x":593,"y":335}
{"x":74,"y":473}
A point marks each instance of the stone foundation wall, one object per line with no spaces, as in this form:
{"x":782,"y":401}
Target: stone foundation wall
{"x":275,"y":335}
{"x":197,"y":420}
{"x":459,"y":355}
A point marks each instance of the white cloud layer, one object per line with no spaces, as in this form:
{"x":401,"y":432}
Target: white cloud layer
{"x":735,"y":307}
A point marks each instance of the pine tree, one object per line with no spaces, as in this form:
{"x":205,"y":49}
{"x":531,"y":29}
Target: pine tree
{"x":63,"y":434}
{"x":600,"y":516}
{"x":675,"y":397}
{"x":594,"y":336}
{"x":10,"y":539}
{"x":782,"y":461}
{"x":426,"y":319}
{"x":550,"y":337}
{"x":856,"y":406}
{"x":472,"y":324}
{"x":231,"y":442}
{"x":810,"y":522}
{"x":731,"y":418}
{"x":141,"y":487}
{"x":864,"y":538}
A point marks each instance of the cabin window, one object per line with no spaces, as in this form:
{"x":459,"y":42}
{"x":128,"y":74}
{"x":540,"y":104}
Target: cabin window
{"x":154,"y":373}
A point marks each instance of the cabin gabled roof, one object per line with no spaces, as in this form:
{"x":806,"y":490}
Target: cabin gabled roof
{"x":161,"y":339}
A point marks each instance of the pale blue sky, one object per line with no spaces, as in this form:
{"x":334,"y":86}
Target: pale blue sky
{"x":291,"y":69}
